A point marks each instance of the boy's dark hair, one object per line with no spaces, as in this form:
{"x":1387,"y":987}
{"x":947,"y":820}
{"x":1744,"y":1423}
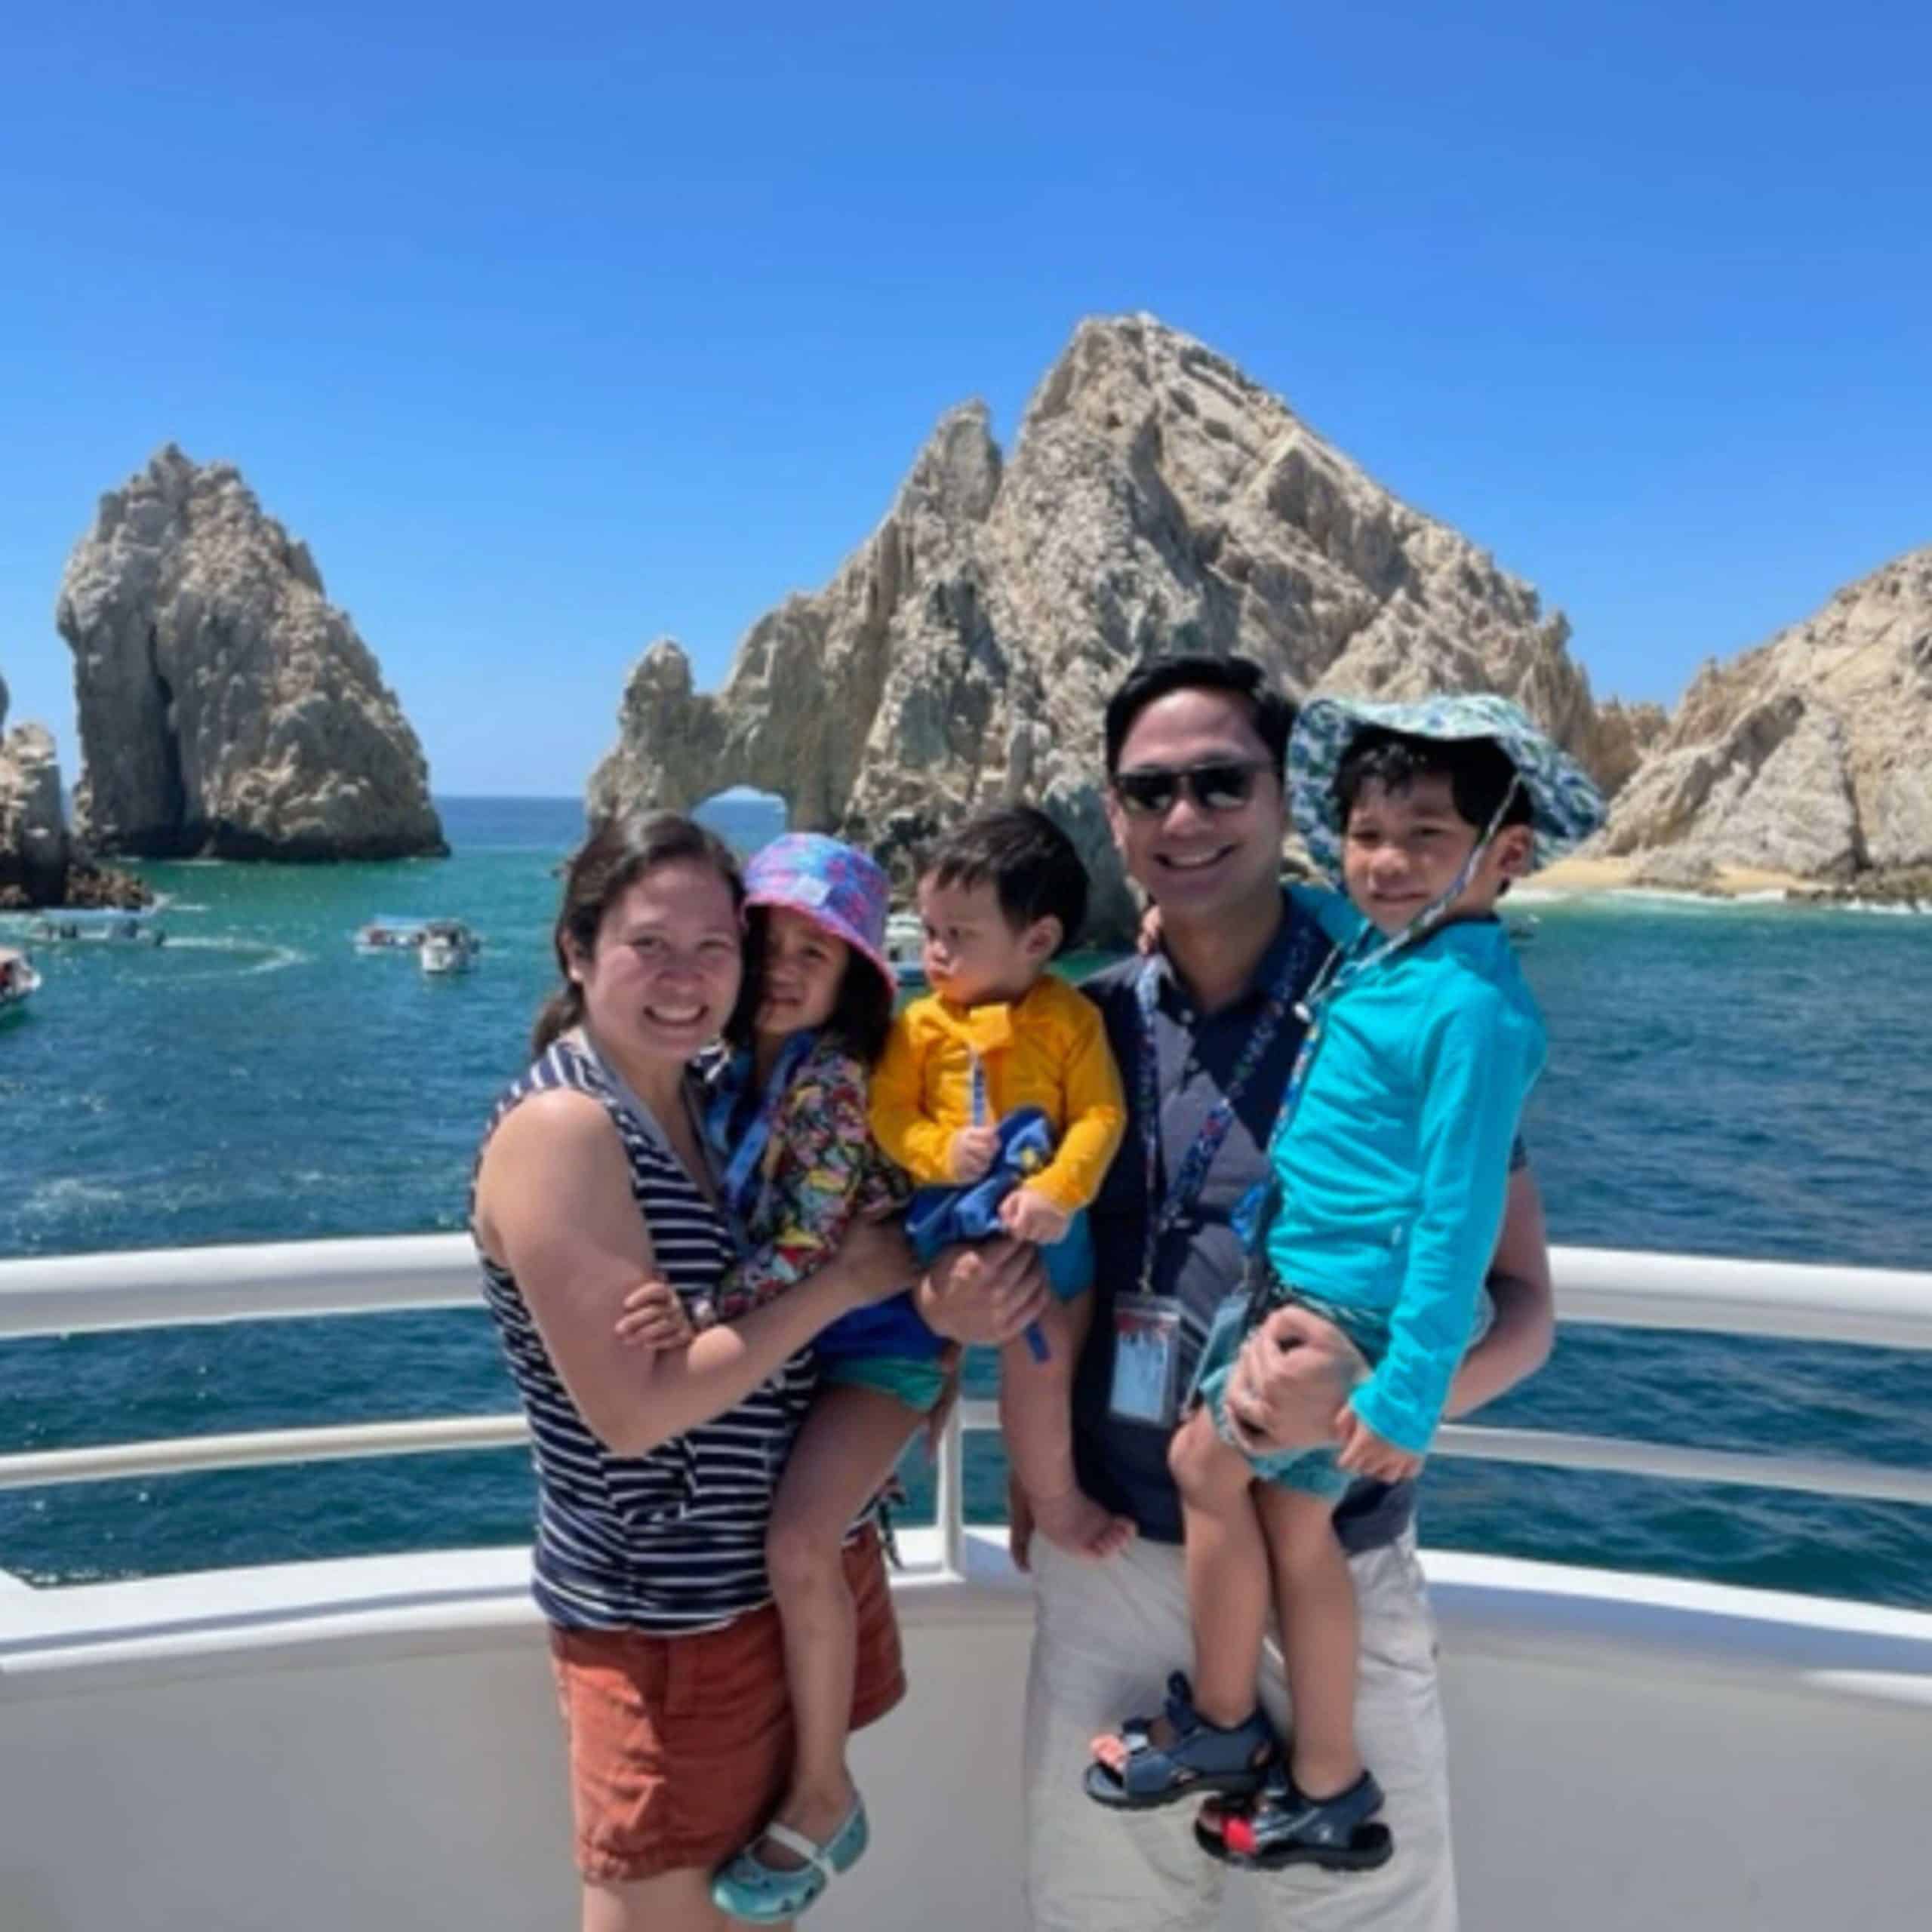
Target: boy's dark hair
{"x":1479,"y":770}
{"x":861,"y":1015}
{"x":1028,"y":861}
{"x":1199,"y":671}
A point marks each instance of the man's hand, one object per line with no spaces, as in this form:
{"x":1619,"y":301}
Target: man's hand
{"x":1026,"y":1214}
{"x":986,"y":1293}
{"x":653,"y":1317}
{"x":1365,"y":1453}
{"x":970,"y":1151}
{"x":1293,"y":1374}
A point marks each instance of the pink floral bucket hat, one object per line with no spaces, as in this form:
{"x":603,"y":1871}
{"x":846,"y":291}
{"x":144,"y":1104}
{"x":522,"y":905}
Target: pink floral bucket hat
{"x":834,"y":885}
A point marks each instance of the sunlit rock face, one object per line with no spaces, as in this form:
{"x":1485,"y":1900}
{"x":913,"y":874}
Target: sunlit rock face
{"x":226,"y":707}
{"x":1156,"y":500}
{"x":1811,"y":754}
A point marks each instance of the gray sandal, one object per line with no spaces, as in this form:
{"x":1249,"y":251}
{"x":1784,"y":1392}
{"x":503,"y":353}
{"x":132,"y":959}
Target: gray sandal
{"x":1233,"y":1760}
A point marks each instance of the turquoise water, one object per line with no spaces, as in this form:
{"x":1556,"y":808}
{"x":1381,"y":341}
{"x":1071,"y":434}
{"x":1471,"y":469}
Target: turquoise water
{"x":1727,"y":1080}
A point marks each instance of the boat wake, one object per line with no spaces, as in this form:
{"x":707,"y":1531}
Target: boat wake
{"x":264,"y":955}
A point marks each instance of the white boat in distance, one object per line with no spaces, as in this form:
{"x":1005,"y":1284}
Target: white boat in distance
{"x":392,"y":932}
{"x":109,"y":924}
{"x":19,"y":983}
{"x":447,"y":946}
{"x":373,"y":1741}
{"x":905,"y":946}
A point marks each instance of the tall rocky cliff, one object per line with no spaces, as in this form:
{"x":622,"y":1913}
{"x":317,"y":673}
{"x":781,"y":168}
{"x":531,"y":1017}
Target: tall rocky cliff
{"x":34,"y":850}
{"x":40,"y":864}
{"x":225,"y":706}
{"x":1811,"y":754}
{"x":1156,"y":500}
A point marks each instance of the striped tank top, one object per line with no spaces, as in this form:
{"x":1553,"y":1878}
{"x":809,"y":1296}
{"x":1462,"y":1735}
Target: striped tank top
{"x":671,"y":1542}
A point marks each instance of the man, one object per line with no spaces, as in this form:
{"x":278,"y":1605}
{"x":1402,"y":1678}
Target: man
{"x":1207,"y":1032}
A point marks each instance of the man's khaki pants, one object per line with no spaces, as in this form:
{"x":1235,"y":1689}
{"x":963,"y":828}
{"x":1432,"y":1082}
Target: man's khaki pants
{"x":1108,"y":1635}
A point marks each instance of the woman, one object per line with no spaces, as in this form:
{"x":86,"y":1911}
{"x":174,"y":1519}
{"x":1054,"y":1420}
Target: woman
{"x":656,"y":1471}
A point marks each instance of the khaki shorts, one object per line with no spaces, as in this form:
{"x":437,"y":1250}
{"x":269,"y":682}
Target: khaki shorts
{"x":681,"y":1747}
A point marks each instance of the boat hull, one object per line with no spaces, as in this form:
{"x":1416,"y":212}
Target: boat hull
{"x":375,"y":1742}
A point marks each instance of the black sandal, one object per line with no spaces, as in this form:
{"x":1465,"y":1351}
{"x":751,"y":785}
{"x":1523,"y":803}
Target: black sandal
{"x":1285,"y":1826}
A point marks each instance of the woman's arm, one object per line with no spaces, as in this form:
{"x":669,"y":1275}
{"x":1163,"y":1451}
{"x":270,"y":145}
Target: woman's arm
{"x":554,"y":1206}
{"x":1518,"y":1341}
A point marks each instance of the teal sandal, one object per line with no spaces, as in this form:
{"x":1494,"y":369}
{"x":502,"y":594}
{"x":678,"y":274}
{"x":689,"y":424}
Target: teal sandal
{"x":762,"y":1894}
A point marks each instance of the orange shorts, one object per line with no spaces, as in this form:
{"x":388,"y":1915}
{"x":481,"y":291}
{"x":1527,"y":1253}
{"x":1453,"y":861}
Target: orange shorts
{"x":681,"y":1747}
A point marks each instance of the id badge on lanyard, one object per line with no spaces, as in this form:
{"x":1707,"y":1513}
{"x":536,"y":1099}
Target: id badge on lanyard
{"x":1147,"y":1385}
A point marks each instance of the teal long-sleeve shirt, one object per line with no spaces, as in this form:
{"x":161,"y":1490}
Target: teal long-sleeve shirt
{"x":1394,"y":1170}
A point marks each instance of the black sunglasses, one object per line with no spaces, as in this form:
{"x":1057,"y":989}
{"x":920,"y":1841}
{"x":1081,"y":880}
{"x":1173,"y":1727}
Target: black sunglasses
{"x":1221,"y":785}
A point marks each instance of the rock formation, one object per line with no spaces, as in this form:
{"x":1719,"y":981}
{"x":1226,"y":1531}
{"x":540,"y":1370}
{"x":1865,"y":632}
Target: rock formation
{"x":40,"y":864}
{"x":225,"y":707}
{"x":33,"y":825}
{"x":1811,"y":755}
{"x":1156,"y":500}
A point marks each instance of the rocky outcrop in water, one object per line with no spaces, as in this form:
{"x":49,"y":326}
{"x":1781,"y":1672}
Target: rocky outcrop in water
{"x":1156,"y":500}
{"x":226,"y":708}
{"x":40,"y":864}
{"x":1811,"y":755}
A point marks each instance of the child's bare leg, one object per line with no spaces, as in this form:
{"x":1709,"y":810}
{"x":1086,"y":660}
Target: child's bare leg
{"x":1228,"y":1581}
{"x":1315,"y":1598}
{"x":844,"y":1452}
{"x":1036,"y":1418}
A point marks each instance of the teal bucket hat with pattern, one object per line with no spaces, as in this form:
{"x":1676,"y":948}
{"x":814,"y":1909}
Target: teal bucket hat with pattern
{"x":1565,"y":804}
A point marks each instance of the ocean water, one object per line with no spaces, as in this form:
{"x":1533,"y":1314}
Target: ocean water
{"x":1744,"y":1080}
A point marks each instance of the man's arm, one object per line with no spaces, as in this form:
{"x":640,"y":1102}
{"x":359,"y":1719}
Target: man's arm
{"x":1296,"y":1371}
{"x":1519,"y":1339}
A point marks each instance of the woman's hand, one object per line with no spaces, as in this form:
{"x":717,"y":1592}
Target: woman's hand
{"x":1365,"y":1453}
{"x":653,"y":1317}
{"x":986,"y":1292}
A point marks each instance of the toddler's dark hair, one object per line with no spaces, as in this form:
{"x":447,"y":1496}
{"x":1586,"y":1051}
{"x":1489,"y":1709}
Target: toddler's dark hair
{"x":861,"y":1015}
{"x":1030,"y":864}
{"x":1479,"y":771}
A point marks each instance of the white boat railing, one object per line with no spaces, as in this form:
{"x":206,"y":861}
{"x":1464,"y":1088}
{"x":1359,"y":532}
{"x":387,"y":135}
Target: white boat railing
{"x":171,"y":1288}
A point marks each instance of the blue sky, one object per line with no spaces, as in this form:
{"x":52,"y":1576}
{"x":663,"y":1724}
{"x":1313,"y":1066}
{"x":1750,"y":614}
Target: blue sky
{"x":552,"y":330}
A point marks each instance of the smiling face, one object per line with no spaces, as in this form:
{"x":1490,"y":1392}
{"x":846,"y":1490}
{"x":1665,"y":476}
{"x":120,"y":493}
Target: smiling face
{"x":1402,"y":849}
{"x":803,"y":967}
{"x":665,"y":972}
{"x":973,"y":955}
{"x":1197,"y":862}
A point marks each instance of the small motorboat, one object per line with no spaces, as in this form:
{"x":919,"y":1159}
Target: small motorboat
{"x":390,"y":932}
{"x":19,"y":983}
{"x":905,"y":946}
{"x":108,"y":923}
{"x":447,"y":946}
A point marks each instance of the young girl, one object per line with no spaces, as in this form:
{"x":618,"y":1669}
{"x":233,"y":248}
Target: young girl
{"x":787,"y":1122}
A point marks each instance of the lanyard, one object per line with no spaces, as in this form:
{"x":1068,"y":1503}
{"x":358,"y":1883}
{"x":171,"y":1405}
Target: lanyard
{"x":1180,"y":1197}
{"x":743,"y":1179}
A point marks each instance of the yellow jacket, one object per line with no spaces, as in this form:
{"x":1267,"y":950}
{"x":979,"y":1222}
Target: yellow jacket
{"x":1047,"y":1050}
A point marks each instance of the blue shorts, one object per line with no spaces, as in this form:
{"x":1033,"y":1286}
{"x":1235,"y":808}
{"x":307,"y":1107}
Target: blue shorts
{"x":1311,"y":1472}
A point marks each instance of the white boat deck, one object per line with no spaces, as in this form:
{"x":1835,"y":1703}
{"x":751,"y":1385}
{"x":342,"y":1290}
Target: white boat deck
{"x":374,"y":1742}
